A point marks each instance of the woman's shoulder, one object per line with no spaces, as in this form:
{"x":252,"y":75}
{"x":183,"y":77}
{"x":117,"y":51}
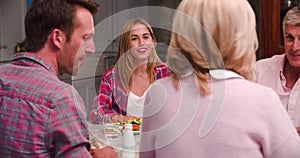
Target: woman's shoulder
{"x":109,"y":72}
{"x":254,"y":90}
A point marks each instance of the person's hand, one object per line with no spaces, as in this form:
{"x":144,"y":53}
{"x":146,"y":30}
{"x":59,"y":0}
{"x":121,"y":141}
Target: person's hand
{"x":128,"y":118}
{"x":121,"y":119}
{"x":106,"y":152}
{"x":298,"y":130}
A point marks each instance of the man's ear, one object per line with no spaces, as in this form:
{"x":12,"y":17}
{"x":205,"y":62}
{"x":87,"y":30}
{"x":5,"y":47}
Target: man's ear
{"x":58,"y":38}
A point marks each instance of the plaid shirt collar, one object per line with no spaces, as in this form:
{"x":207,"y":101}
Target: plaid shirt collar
{"x":32,"y":59}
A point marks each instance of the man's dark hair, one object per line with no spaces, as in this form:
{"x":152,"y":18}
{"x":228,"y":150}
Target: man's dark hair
{"x":46,"y":15}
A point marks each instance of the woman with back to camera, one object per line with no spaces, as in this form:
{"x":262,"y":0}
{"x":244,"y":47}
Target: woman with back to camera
{"x":210,"y":108}
{"x":122,"y":89}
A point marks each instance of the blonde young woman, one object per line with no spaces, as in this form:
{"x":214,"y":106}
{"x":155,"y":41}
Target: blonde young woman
{"x":122,"y":90}
{"x":209,"y":107}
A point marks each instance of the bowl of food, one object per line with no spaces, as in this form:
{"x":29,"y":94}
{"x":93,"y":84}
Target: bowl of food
{"x":136,"y":124}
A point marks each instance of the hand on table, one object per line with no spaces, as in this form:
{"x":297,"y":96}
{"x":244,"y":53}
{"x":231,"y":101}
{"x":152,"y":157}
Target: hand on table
{"x":106,"y":152}
{"x":121,"y":119}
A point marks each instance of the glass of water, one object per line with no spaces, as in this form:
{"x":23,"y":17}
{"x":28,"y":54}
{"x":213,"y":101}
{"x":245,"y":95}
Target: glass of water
{"x":112,"y":136}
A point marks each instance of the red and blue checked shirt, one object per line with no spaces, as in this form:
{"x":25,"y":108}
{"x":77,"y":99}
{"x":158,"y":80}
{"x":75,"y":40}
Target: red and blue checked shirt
{"x":112,"y":96}
{"x":40,"y":116}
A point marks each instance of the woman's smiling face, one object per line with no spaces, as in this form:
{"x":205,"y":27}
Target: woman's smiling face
{"x":141,"y":42}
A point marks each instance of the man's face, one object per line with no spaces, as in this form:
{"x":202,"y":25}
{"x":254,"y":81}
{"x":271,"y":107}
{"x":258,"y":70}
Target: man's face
{"x":80,"y":43}
{"x":292,"y":44}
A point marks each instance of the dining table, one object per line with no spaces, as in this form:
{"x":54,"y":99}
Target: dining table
{"x":100,"y":139}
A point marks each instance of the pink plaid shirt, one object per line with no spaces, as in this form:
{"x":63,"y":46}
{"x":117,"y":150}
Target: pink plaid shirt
{"x":112,"y":96}
{"x":40,"y":116}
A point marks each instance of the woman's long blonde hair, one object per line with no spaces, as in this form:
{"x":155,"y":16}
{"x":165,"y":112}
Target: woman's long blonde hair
{"x":125,"y":63}
{"x":213,"y":34}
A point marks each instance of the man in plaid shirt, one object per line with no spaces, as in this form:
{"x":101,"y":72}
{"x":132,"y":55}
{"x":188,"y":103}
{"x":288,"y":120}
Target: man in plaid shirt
{"x":40,"y":116}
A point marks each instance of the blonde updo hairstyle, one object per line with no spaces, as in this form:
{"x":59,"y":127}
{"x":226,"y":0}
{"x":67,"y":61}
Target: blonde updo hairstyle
{"x":212,"y":34}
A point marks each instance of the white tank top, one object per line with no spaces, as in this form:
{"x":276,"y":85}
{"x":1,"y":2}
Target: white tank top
{"x":135,"y":105}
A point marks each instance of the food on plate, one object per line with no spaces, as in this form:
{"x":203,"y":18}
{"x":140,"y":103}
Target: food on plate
{"x":135,"y":122}
{"x":135,"y":127}
{"x":117,"y":118}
